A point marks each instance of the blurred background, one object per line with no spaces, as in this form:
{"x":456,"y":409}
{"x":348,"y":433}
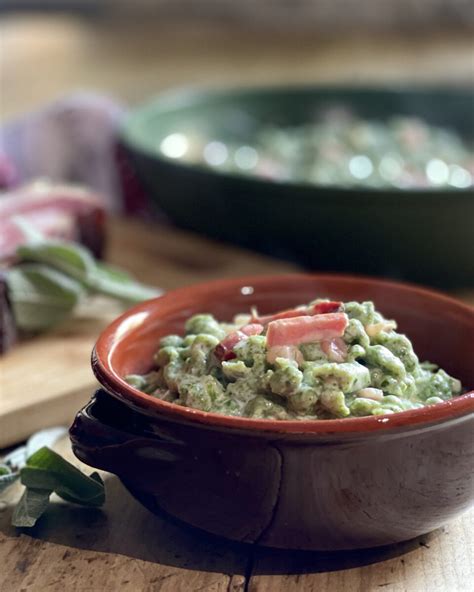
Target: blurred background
{"x":71,"y":70}
{"x":133,"y":49}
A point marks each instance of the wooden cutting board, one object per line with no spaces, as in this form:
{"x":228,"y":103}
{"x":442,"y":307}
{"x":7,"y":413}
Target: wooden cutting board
{"x":44,"y":381}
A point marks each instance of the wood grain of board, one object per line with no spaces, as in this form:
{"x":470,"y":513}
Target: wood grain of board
{"x":124,"y":547}
{"x":441,"y":561}
{"x":46,"y":379}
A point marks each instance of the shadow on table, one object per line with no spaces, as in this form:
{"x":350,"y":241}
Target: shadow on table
{"x":127,"y":528}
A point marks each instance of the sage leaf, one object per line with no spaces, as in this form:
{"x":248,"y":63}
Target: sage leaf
{"x":114,"y":273}
{"x":41,"y":296}
{"x":118,"y":284}
{"x":54,"y":274}
{"x":16,"y":460}
{"x":71,"y":258}
{"x":33,"y":503}
{"x":88,"y":493}
{"x":48,"y":470}
{"x":72,"y":496}
{"x":78,"y":262}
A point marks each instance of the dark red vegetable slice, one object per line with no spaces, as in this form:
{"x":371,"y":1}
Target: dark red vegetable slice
{"x":8,"y":333}
{"x":224,"y":350}
{"x":326,"y":307}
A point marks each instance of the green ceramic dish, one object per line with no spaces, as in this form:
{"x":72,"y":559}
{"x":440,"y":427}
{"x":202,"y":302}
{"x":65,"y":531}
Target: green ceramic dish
{"x":419,"y":234}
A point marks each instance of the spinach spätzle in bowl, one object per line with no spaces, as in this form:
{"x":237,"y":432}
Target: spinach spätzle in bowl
{"x":315,"y":428}
{"x":324,"y":360}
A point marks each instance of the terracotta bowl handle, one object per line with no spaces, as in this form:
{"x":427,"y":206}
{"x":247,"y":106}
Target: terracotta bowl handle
{"x":108,"y":435}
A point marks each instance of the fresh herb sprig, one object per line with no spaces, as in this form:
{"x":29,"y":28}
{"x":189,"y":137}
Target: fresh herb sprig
{"x":43,"y":472}
{"x":51,"y":277}
{"x":46,"y":472}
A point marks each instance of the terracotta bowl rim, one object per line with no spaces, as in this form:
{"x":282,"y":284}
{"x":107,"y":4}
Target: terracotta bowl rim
{"x":112,"y":382}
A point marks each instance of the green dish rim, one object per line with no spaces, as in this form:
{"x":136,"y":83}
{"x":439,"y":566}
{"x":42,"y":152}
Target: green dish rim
{"x":183,"y":97}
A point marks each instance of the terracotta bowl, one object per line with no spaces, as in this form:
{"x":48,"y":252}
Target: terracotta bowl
{"x":321,"y":485}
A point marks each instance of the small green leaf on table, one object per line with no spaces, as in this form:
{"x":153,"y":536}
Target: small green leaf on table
{"x":71,"y":258}
{"x":41,"y":296}
{"x":31,"y":506}
{"x":47,"y":472}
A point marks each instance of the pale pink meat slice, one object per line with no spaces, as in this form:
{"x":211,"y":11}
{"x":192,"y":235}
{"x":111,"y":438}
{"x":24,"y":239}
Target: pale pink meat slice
{"x":288,"y":352}
{"x":374,"y":329}
{"x":335,"y":349}
{"x":284,"y":314}
{"x":323,"y":307}
{"x":306,"y":329}
{"x":57,"y":211}
{"x":252,"y":329}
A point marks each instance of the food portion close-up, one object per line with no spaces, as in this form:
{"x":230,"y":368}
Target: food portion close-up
{"x":320,"y":361}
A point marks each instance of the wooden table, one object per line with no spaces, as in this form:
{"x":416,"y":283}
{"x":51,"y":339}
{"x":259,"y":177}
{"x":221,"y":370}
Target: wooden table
{"x":123,"y":547}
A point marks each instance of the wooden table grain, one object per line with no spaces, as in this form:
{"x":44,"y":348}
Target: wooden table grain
{"x":124,"y":547}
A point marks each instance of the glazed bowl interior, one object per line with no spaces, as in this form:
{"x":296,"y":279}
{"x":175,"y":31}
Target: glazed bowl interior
{"x":441,"y":329}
